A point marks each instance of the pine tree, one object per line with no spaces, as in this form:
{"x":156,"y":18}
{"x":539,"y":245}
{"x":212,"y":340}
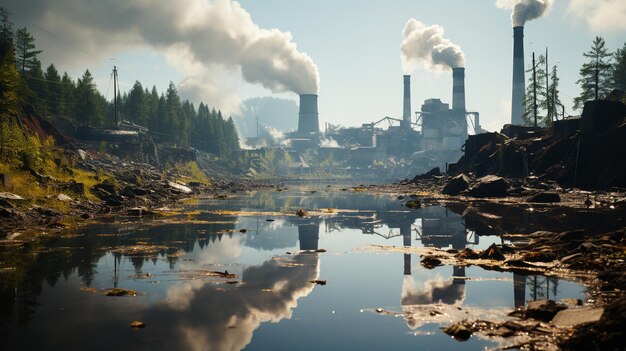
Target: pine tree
{"x":552,"y":99}
{"x":596,"y":78}
{"x":67,"y":101}
{"x":25,"y":52}
{"x":136,"y":105}
{"x":87,"y":109}
{"x":619,"y":68}
{"x":6,"y":27}
{"x":173,"y":111}
{"x":53,"y":90}
{"x":9,"y":76}
{"x":534,"y":97}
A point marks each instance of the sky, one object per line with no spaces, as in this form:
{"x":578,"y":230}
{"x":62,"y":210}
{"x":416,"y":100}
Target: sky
{"x":223,"y":52}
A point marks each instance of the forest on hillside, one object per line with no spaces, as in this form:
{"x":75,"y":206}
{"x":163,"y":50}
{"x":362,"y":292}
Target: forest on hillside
{"x":23,"y":82}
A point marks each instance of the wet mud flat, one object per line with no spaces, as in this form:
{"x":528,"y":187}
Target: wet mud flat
{"x":290,"y":267}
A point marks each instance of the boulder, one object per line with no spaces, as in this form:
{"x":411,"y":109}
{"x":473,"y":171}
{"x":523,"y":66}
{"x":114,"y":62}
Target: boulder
{"x":64,"y":198}
{"x":543,"y":310}
{"x":458,"y":331}
{"x":10,"y":196}
{"x":489,"y":186}
{"x":573,"y":317}
{"x":545,"y":197}
{"x":456,"y":185}
{"x":179,"y":188}
{"x":435,"y":172}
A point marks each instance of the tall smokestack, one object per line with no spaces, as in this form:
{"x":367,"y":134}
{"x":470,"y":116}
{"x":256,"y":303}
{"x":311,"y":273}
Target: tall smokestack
{"x":519,"y":81}
{"x":308,"y":121}
{"x":458,"y":89}
{"x":406,"y":106}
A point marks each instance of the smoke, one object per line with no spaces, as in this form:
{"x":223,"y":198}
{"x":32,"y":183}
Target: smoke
{"x":200,"y":35}
{"x":525,"y":10}
{"x":600,"y":15}
{"x":428,"y":44}
{"x":329,"y":142}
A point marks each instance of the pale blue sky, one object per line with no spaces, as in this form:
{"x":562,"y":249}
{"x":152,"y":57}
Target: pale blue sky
{"x":355,"y":45}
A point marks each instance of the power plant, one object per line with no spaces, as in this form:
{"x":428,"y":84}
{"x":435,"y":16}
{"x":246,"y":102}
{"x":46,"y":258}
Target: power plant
{"x":415,"y":142}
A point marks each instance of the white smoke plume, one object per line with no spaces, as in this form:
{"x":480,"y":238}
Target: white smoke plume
{"x":427,"y":43}
{"x":329,"y":142}
{"x":525,"y":10}
{"x":209,"y":33}
{"x":600,"y":15}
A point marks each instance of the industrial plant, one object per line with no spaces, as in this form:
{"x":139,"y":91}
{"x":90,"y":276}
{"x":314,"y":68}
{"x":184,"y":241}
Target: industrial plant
{"x":418,"y":141}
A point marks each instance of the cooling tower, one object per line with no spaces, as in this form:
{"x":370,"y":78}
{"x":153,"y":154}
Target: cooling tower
{"x":406,"y":103}
{"x":519,"y":81}
{"x":458,"y":89}
{"x":308,"y":121}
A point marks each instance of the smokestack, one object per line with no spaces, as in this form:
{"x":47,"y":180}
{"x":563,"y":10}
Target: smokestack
{"x":406,"y":106}
{"x":308,"y":121}
{"x":519,"y":81}
{"x":458,"y":89}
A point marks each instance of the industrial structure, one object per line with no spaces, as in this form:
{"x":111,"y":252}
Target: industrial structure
{"x":519,"y":80}
{"x":418,"y":141}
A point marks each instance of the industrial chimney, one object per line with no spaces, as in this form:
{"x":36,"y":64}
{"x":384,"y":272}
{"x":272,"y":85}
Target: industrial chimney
{"x":406,"y":106}
{"x":458,"y":89}
{"x":519,"y":81}
{"x":308,"y":121}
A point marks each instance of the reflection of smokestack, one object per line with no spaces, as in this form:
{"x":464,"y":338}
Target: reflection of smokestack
{"x":405,"y":230}
{"x":406,"y":106}
{"x":519,"y":289}
{"x":458,"y":89}
{"x":519,"y":81}
{"x":308,"y":235}
{"x":308,"y":121}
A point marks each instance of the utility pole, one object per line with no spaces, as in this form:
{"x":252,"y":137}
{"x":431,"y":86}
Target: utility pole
{"x":535,"y":89}
{"x":115,"y":93}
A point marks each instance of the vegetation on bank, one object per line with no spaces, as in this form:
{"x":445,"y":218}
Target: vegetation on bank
{"x":33,"y":167}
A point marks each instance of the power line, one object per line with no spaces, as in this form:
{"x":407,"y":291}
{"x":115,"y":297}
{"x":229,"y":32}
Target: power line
{"x":45,"y":80}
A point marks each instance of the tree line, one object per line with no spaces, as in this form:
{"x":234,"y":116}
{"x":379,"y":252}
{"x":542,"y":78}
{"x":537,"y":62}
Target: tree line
{"x":598,"y":77}
{"x":166,"y":115}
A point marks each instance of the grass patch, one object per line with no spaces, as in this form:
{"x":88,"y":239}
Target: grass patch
{"x":191,"y":172}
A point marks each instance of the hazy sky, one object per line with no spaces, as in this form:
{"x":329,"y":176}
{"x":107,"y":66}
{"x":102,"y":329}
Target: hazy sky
{"x":354,"y":44}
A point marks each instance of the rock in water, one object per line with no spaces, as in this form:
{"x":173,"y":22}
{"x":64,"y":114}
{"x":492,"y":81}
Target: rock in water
{"x":456,"y":185}
{"x":458,"y":331}
{"x":489,"y":186}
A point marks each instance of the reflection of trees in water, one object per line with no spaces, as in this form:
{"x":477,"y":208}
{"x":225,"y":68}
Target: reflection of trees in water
{"x":52,"y":259}
{"x":542,"y":287}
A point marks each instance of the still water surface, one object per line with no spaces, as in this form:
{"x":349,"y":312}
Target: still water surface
{"x":53,"y":299}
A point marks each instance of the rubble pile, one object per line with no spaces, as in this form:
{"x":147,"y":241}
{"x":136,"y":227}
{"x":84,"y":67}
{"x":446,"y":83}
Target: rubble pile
{"x":588,"y":152}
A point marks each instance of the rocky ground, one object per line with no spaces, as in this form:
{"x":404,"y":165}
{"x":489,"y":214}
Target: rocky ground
{"x":121,"y":188}
{"x":586,"y":252}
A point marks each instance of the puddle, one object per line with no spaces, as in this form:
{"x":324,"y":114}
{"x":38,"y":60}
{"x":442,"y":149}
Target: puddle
{"x":204,"y":283}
